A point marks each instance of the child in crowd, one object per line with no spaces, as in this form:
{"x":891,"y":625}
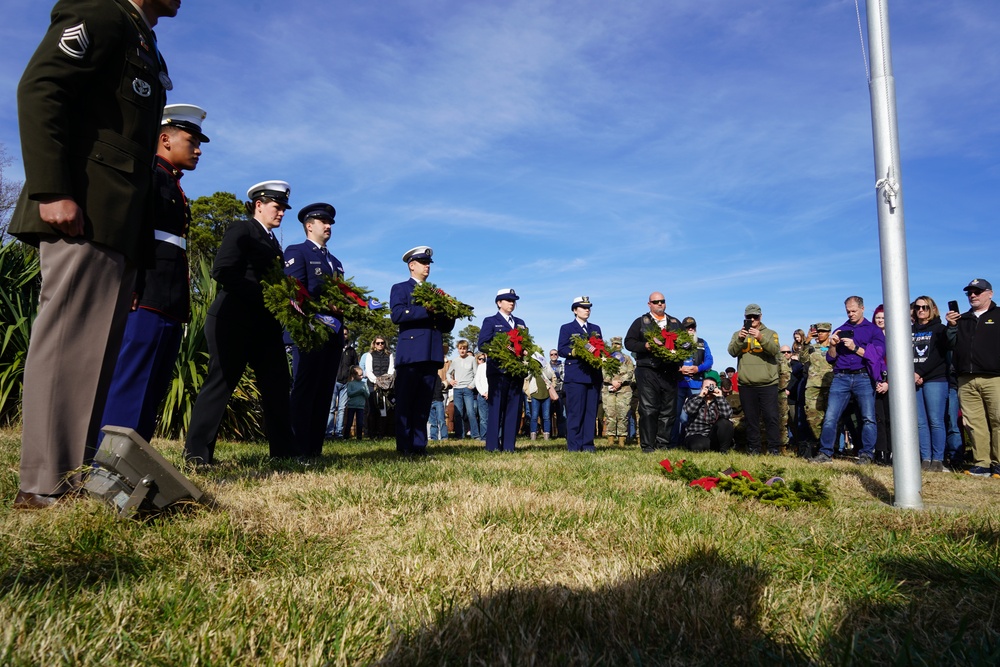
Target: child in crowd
{"x":357,"y":397}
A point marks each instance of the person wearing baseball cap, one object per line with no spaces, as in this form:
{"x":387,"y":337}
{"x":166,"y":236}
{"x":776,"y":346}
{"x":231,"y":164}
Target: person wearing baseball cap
{"x":154,"y":329}
{"x":503,"y":389}
{"x":419,"y":354}
{"x":240,"y":330}
{"x":975,"y":338}
{"x":581,"y":382}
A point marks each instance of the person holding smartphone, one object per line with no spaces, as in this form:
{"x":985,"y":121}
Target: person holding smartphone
{"x":849,"y":346}
{"x":710,"y":423}
{"x":756,"y":349}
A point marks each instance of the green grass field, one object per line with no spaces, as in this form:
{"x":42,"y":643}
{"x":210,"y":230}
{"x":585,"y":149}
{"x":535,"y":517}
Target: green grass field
{"x":536,"y":558}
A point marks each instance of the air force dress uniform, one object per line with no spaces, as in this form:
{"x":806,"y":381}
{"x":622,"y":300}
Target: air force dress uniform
{"x":154,"y":330}
{"x":582,"y":383}
{"x":314,"y":373}
{"x":504,"y":396}
{"x":89,"y":105}
{"x":240,"y":330}
{"x":419,"y":355}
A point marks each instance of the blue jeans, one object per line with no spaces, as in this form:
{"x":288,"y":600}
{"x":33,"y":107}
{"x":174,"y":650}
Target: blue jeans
{"x":439,"y":427}
{"x":953,"y":445}
{"x":335,"y":426}
{"x":465,"y":412}
{"x":542,"y":405}
{"x":843,"y":387}
{"x":932,"y":400}
{"x":483,"y":408}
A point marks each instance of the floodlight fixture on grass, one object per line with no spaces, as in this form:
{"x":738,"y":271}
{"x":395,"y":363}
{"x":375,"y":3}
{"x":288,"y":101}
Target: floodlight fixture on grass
{"x":133,"y":477}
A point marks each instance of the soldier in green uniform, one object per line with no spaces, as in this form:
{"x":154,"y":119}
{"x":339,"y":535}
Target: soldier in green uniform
{"x":617,"y":395}
{"x":89,"y":107}
{"x":819,"y":375}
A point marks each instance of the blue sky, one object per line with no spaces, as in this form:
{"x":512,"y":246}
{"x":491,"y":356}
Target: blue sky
{"x":719,"y":151}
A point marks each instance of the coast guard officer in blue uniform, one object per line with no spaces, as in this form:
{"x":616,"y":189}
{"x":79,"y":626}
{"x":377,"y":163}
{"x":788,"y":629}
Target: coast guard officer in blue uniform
{"x":419,"y":354}
{"x":240,"y":330}
{"x":582,"y":382}
{"x":154,"y":329}
{"x":314,"y":373}
{"x":504,"y":396}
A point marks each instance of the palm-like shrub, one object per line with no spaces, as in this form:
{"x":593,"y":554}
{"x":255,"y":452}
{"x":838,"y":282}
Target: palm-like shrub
{"x":20,"y":283}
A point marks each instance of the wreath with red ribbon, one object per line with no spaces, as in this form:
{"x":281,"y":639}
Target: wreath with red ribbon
{"x":595,"y":353}
{"x":511,"y":352}
{"x":310,"y":322}
{"x":670,"y":346}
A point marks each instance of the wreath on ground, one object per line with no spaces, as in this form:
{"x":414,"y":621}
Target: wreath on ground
{"x":310,"y":322}
{"x":512,"y":351}
{"x":593,"y":352}
{"x":775,"y":491}
{"x":437,"y":301}
{"x":673,"y":347}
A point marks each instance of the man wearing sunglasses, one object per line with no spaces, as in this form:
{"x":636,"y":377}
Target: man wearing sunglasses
{"x":975,"y":338}
{"x":655,"y":379}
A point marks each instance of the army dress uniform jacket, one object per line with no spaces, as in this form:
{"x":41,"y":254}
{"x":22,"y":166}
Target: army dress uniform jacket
{"x":90,"y":102}
{"x":165,"y":287}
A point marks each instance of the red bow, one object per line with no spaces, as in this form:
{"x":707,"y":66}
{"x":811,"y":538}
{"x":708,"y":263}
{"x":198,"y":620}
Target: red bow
{"x":707,"y":483}
{"x":669,"y":338}
{"x":515,"y":339}
{"x":598,"y":344}
{"x":351,"y":295}
{"x":301,"y":293}
{"x":671,"y":467}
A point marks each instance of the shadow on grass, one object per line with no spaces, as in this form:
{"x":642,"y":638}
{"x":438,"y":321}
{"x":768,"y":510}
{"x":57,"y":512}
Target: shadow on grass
{"x":872,"y":486}
{"x":943,"y":612}
{"x":703,"y":610}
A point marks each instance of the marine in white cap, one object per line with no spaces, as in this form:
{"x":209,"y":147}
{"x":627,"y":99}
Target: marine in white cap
{"x":154,"y":330}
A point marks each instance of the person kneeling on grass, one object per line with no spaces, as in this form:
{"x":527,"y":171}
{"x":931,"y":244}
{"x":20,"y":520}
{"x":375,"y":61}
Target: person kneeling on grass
{"x":709,"y":424}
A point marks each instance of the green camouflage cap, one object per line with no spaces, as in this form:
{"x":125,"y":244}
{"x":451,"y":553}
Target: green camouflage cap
{"x":824,"y":326}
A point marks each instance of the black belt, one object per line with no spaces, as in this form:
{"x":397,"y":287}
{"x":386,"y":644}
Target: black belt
{"x":857,"y":372}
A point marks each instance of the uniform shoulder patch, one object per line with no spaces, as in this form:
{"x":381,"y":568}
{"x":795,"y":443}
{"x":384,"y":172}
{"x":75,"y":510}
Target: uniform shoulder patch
{"x":75,"y":41}
{"x":290,"y":262}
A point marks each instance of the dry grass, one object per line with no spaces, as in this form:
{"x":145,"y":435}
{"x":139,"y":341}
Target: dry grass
{"x":537,"y":558}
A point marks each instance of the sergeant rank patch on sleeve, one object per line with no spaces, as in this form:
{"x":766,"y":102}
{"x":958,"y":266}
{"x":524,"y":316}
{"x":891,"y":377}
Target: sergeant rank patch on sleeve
{"x":74,"y":41}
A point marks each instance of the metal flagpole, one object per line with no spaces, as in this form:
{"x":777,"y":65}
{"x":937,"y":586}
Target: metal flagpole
{"x":892,"y":239}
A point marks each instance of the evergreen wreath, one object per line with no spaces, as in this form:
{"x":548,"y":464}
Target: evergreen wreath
{"x":775,"y":491}
{"x":673,"y":347}
{"x":512,"y":351}
{"x":439,"y":302}
{"x":310,"y":322}
{"x":593,"y":352}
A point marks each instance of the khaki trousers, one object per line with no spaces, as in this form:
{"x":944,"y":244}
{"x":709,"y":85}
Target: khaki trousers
{"x":85,"y":297}
{"x":979,"y":397}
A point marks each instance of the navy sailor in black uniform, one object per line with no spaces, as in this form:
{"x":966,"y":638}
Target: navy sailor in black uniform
{"x":240,"y":330}
{"x":154,"y":329}
{"x":314,"y":373}
{"x":582,"y":382}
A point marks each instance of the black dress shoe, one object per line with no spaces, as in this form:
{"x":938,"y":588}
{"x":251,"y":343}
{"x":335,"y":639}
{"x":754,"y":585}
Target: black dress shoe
{"x":34,"y":501}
